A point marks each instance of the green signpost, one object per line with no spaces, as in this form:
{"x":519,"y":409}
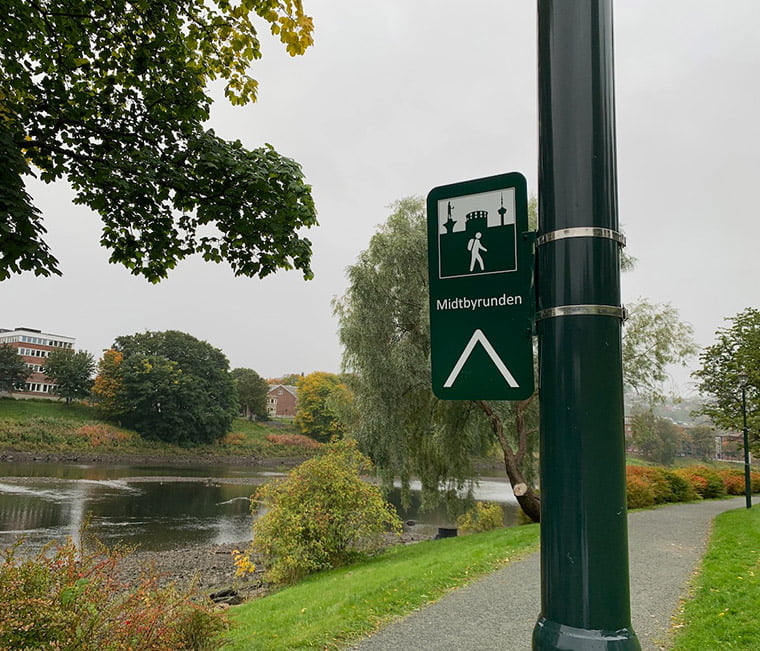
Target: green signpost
{"x":480,"y":257}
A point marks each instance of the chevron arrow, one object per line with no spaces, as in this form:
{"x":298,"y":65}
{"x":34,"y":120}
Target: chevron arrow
{"x":479,"y":338}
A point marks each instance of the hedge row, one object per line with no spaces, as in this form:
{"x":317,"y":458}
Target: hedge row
{"x":650,"y":485}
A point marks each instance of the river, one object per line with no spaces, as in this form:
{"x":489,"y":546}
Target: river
{"x":158,"y":508}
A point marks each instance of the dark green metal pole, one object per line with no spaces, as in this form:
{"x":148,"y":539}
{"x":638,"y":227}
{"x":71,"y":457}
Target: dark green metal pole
{"x":747,"y":476}
{"x":585,"y":599}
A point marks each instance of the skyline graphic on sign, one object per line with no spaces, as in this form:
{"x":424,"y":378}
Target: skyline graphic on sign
{"x":477,"y":234}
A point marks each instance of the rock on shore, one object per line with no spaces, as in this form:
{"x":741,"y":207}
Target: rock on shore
{"x":209,"y":569}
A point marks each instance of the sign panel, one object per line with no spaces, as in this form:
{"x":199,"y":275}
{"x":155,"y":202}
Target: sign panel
{"x":480,"y":262}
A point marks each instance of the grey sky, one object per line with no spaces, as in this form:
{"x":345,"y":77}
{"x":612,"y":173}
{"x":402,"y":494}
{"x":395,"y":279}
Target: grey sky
{"x":399,"y":96}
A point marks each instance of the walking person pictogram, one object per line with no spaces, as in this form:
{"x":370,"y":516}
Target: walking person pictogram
{"x":475,"y":247}
{"x":473,"y":223}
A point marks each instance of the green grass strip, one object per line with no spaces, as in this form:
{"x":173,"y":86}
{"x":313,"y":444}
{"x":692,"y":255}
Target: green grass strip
{"x":331,"y":609}
{"x":725,"y":610}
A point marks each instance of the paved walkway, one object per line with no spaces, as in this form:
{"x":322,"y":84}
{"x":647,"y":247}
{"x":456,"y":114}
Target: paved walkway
{"x":500,"y":610}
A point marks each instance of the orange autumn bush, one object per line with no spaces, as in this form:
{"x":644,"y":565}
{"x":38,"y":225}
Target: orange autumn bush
{"x":100,"y":434}
{"x":295,"y":440}
{"x":639,"y":491}
{"x":650,"y":485}
{"x":66,"y":598}
{"x":656,"y":479}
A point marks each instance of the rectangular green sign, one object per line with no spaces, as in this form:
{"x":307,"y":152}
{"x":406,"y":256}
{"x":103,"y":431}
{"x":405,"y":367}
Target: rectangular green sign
{"x":480,"y":262}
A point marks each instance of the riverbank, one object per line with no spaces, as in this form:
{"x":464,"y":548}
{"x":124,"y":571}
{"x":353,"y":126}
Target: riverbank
{"x":211,"y":568}
{"x":51,"y":431}
{"x":11,"y":455}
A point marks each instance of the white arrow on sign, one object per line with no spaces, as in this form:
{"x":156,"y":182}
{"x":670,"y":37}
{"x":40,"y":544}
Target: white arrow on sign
{"x":478,"y":336}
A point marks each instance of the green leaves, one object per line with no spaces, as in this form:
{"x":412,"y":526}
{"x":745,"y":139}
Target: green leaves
{"x":71,"y":372}
{"x":13,"y":369}
{"x":112,"y":96}
{"x":653,"y":338}
{"x":251,"y":392}
{"x":736,"y":350}
{"x":22,"y":247}
{"x":168,"y":386}
{"x":322,"y":515}
{"x":322,"y":398}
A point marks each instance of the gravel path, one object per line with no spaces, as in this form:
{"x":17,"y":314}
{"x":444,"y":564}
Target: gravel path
{"x":499,"y":611}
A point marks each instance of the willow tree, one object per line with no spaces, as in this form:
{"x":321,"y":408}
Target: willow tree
{"x":654,"y":338}
{"x":111,"y":95}
{"x":385,"y":331}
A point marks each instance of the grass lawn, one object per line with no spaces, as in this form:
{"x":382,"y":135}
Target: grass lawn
{"x":725,"y":610}
{"x":331,"y":609}
{"x":18,"y":410}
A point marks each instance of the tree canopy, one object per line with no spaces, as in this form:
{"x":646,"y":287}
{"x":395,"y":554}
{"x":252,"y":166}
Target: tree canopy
{"x":169,"y":386}
{"x":13,"y":369}
{"x":736,"y":351}
{"x":653,"y":338}
{"x":251,"y":392}
{"x":657,"y":438}
{"x":71,"y":372}
{"x":288,"y":380}
{"x":321,"y":397}
{"x":111,"y":95}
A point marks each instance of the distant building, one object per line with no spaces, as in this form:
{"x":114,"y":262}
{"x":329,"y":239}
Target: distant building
{"x":628,"y":430}
{"x":282,"y":401}
{"x":35,"y":346}
{"x":729,"y":446}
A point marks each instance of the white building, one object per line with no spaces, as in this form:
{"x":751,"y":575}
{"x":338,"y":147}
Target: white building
{"x":35,"y":346}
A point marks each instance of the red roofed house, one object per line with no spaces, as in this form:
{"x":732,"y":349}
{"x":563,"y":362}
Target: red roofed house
{"x":282,"y":401}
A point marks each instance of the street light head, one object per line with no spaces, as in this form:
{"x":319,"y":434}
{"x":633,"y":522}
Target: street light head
{"x":743,"y":378}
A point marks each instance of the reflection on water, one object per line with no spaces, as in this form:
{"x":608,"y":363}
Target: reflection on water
{"x":427,"y":522}
{"x":161,"y":508}
{"x":153,"y":507}
{"x":154,"y":515}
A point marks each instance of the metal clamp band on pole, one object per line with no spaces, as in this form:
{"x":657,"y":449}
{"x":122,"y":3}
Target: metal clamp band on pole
{"x":581,"y":231}
{"x":582,"y":310}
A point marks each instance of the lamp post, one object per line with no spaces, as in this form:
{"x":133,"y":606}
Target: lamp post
{"x":742,"y":376}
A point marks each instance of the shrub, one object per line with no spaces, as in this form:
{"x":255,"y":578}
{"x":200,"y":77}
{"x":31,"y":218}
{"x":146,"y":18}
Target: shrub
{"x":233,"y":438}
{"x":99,"y":434}
{"x":321,"y":515}
{"x":682,"y":489}
{"x":657,"y":480}
{"x":483,"y":516}
{"x":697,"y":484}
{"x":712,"y":485}
{"x":295,"y":440}
{"x":639,"y":492}
{"x":64,"y":598}
{"x":733,"y":481}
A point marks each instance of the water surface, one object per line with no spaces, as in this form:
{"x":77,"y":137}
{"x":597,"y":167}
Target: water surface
{"x":157,"y":508}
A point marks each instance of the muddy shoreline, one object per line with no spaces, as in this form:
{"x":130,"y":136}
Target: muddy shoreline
{"x":210,"y":569}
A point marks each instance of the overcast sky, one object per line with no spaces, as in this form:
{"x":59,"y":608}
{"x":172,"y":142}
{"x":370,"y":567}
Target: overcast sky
{"x":399,"y":96}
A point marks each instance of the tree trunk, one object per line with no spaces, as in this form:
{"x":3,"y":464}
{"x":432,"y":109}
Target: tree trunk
{"x":529,"y":502}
